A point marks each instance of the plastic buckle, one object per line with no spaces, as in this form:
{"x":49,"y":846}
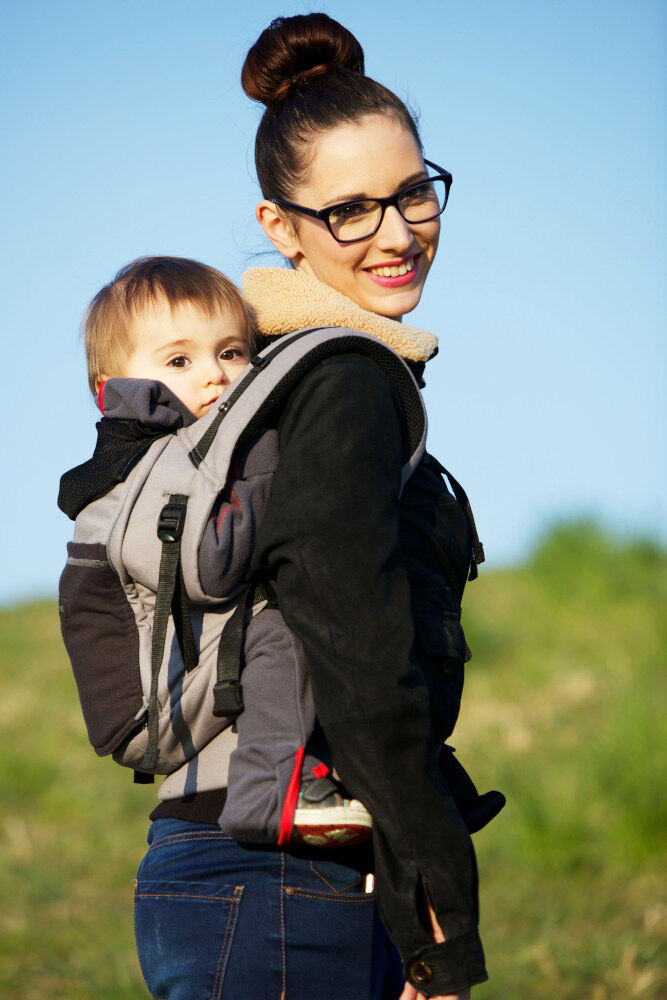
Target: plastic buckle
{"x":227,"y":699}
{"x":170,"y":522}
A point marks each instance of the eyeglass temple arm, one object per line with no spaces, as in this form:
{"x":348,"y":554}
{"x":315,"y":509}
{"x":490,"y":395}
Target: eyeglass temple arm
{"x":441,"y":170}
{"x":315,"y":213}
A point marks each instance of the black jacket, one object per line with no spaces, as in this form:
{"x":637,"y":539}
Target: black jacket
{"x":355,"y":568}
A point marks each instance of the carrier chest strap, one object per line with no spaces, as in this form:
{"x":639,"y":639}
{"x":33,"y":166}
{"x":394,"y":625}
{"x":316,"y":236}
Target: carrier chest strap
{"x":170,"y":598}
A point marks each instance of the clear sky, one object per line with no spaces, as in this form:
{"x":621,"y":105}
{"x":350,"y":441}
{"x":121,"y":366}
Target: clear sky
{"x":125,"y":132}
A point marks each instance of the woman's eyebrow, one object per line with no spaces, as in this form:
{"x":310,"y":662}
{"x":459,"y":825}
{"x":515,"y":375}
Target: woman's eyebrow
{"x":362,"y":196}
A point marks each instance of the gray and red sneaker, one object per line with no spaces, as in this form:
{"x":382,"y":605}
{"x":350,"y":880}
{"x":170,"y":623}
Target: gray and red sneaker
{"x":325,"y":818}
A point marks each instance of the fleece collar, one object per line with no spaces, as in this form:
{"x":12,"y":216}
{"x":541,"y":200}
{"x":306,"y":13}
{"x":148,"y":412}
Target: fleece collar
{"x":285,"y":300}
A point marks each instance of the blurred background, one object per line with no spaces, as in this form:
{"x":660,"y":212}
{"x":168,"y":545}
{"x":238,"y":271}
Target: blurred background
{"x":125,"y":132}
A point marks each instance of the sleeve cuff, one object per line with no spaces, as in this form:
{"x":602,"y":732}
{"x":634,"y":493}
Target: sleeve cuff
{"x":448,"y":967}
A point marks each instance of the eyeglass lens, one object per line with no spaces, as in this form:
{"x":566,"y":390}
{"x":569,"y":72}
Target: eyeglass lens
{"x":418,"y":203}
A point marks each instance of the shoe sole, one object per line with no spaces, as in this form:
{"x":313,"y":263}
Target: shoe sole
{"x":327,"y":835}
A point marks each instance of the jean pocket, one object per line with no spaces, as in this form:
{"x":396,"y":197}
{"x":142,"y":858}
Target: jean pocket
{"x":330,"y":879}
{"x":329,"y":940}
{"x":184,"y":933}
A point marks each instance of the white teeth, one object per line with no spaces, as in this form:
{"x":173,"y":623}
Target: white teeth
{"x":395,"y":271}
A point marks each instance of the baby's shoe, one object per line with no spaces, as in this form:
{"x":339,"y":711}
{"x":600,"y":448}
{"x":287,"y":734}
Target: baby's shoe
{"x":325,"y":818}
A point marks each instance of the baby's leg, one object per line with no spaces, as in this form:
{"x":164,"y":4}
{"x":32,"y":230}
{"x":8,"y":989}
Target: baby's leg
{"x":267,"y":767}
{"x":280,"y":788}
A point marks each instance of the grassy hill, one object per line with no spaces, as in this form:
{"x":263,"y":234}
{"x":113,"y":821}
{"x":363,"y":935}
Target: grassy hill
{"x":564,"y":711}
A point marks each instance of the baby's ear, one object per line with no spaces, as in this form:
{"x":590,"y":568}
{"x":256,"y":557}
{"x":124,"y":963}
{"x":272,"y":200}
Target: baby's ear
{"x":100,"y":380}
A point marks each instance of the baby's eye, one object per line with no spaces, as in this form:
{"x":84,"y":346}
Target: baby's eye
{"x":232,"y":354}
{"x":180,"y":361}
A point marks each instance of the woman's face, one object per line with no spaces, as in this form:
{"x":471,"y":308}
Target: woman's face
{"x":372,"y":158}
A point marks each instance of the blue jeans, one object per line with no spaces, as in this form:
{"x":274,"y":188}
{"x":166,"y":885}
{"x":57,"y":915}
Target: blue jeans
{"x":219,"y":920}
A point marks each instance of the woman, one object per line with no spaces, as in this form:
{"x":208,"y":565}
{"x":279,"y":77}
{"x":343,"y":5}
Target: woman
{"x":369,"y":586}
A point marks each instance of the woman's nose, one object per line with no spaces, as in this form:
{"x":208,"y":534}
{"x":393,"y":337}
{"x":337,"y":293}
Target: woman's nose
{"x":394,"y":232}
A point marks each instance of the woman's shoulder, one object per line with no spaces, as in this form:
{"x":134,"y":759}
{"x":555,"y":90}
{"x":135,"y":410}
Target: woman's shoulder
{"x":352,"y":377}
{"x":347,"y":390}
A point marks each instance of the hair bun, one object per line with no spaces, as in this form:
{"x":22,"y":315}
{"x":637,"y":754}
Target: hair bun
{"x":296,"y":50}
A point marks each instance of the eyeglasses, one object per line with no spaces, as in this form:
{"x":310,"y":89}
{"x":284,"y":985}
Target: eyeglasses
{"x":352,"y":221}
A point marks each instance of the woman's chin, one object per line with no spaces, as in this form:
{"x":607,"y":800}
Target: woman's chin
{"x":393,"y":304}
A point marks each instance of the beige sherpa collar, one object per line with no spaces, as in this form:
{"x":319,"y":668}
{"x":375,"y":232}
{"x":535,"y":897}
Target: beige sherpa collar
{"x":285,"y":300}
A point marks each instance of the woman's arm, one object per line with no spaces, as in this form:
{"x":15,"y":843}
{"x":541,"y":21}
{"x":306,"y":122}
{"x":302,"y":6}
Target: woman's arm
{"x":330,"y":537}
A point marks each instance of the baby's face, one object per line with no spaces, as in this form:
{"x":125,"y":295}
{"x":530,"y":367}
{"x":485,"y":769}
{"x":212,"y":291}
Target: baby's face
{"x":194,"y":355}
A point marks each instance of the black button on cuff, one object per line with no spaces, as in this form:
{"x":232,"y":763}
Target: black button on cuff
{"x":420,"y":973}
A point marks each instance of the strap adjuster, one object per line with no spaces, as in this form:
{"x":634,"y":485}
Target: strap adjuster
{"x":170,"y":522}
{"x":227,"y":699}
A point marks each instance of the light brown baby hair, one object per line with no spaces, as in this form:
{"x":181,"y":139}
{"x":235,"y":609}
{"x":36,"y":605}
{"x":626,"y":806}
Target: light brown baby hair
{"x":109,"y":327}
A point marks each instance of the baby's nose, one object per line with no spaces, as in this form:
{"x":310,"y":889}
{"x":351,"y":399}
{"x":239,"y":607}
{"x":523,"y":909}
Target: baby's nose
{"x":215,"y":373}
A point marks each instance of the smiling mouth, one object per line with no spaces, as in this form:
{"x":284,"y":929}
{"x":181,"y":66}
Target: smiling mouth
{"x":394,"y":270}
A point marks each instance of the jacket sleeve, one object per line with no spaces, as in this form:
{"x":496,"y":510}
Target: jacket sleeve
{"x":227,"y":543}
{"x":330,"y":537}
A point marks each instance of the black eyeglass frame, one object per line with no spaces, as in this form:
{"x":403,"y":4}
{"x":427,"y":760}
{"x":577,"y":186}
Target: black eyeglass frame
{"x":324,"y":213}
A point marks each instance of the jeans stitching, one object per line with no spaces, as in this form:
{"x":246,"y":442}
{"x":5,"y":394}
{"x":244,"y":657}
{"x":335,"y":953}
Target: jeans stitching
{"x":355,"y":881}
{"x":361,"y":897}
{"x":227,"y":941}
{"x":281,"y":903}
{"x":184,"y":838}
{"x":183,"y":895}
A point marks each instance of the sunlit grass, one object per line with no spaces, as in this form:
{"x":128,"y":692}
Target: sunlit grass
{"x":563,"y":710}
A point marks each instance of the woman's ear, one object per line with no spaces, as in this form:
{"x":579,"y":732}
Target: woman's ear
{"x":278,"y":228}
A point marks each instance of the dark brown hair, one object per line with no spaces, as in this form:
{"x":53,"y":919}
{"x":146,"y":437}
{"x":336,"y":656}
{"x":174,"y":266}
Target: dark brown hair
{"x":109,"y":326}
{"x":309,"y":72}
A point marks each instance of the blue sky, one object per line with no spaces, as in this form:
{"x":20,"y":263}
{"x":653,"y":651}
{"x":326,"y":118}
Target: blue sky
{"x":126,"y":133}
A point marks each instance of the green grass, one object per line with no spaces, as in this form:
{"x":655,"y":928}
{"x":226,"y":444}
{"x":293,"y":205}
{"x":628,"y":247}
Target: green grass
{"x":563,"y":710}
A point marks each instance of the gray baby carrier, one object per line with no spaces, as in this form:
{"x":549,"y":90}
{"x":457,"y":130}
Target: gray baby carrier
{"x":156,"y":656}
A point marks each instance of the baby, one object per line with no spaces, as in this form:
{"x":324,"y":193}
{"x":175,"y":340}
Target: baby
{"x":177,"y":333}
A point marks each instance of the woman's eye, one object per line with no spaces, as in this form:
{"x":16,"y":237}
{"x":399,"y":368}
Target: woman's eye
{"x":349,"y":213}
{"x":418,"y":193}
{"x":179,"y":362}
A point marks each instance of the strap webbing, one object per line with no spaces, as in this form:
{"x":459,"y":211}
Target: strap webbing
{"x":477,"y":554}
{"x":169,"y":598}
{"x":180,"y":609}
{"x":227,"y":691}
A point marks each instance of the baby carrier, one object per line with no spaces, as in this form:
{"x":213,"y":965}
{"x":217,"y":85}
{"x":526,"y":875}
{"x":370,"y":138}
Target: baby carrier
{"x":156,"y":654}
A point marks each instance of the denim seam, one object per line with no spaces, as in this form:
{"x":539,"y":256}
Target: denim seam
{"x":281,"y":903}
{"x":178,"y":838}
{"x":355,"y":881}
{"x":232,"y":917}
{"x":184,"y":895}
{"x":361,"y":897}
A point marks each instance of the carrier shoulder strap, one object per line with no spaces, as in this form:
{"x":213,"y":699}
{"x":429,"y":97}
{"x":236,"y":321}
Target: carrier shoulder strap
{"x":477,"y":549}
{"x":170,"y":598}
{"x":276,"y":370}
